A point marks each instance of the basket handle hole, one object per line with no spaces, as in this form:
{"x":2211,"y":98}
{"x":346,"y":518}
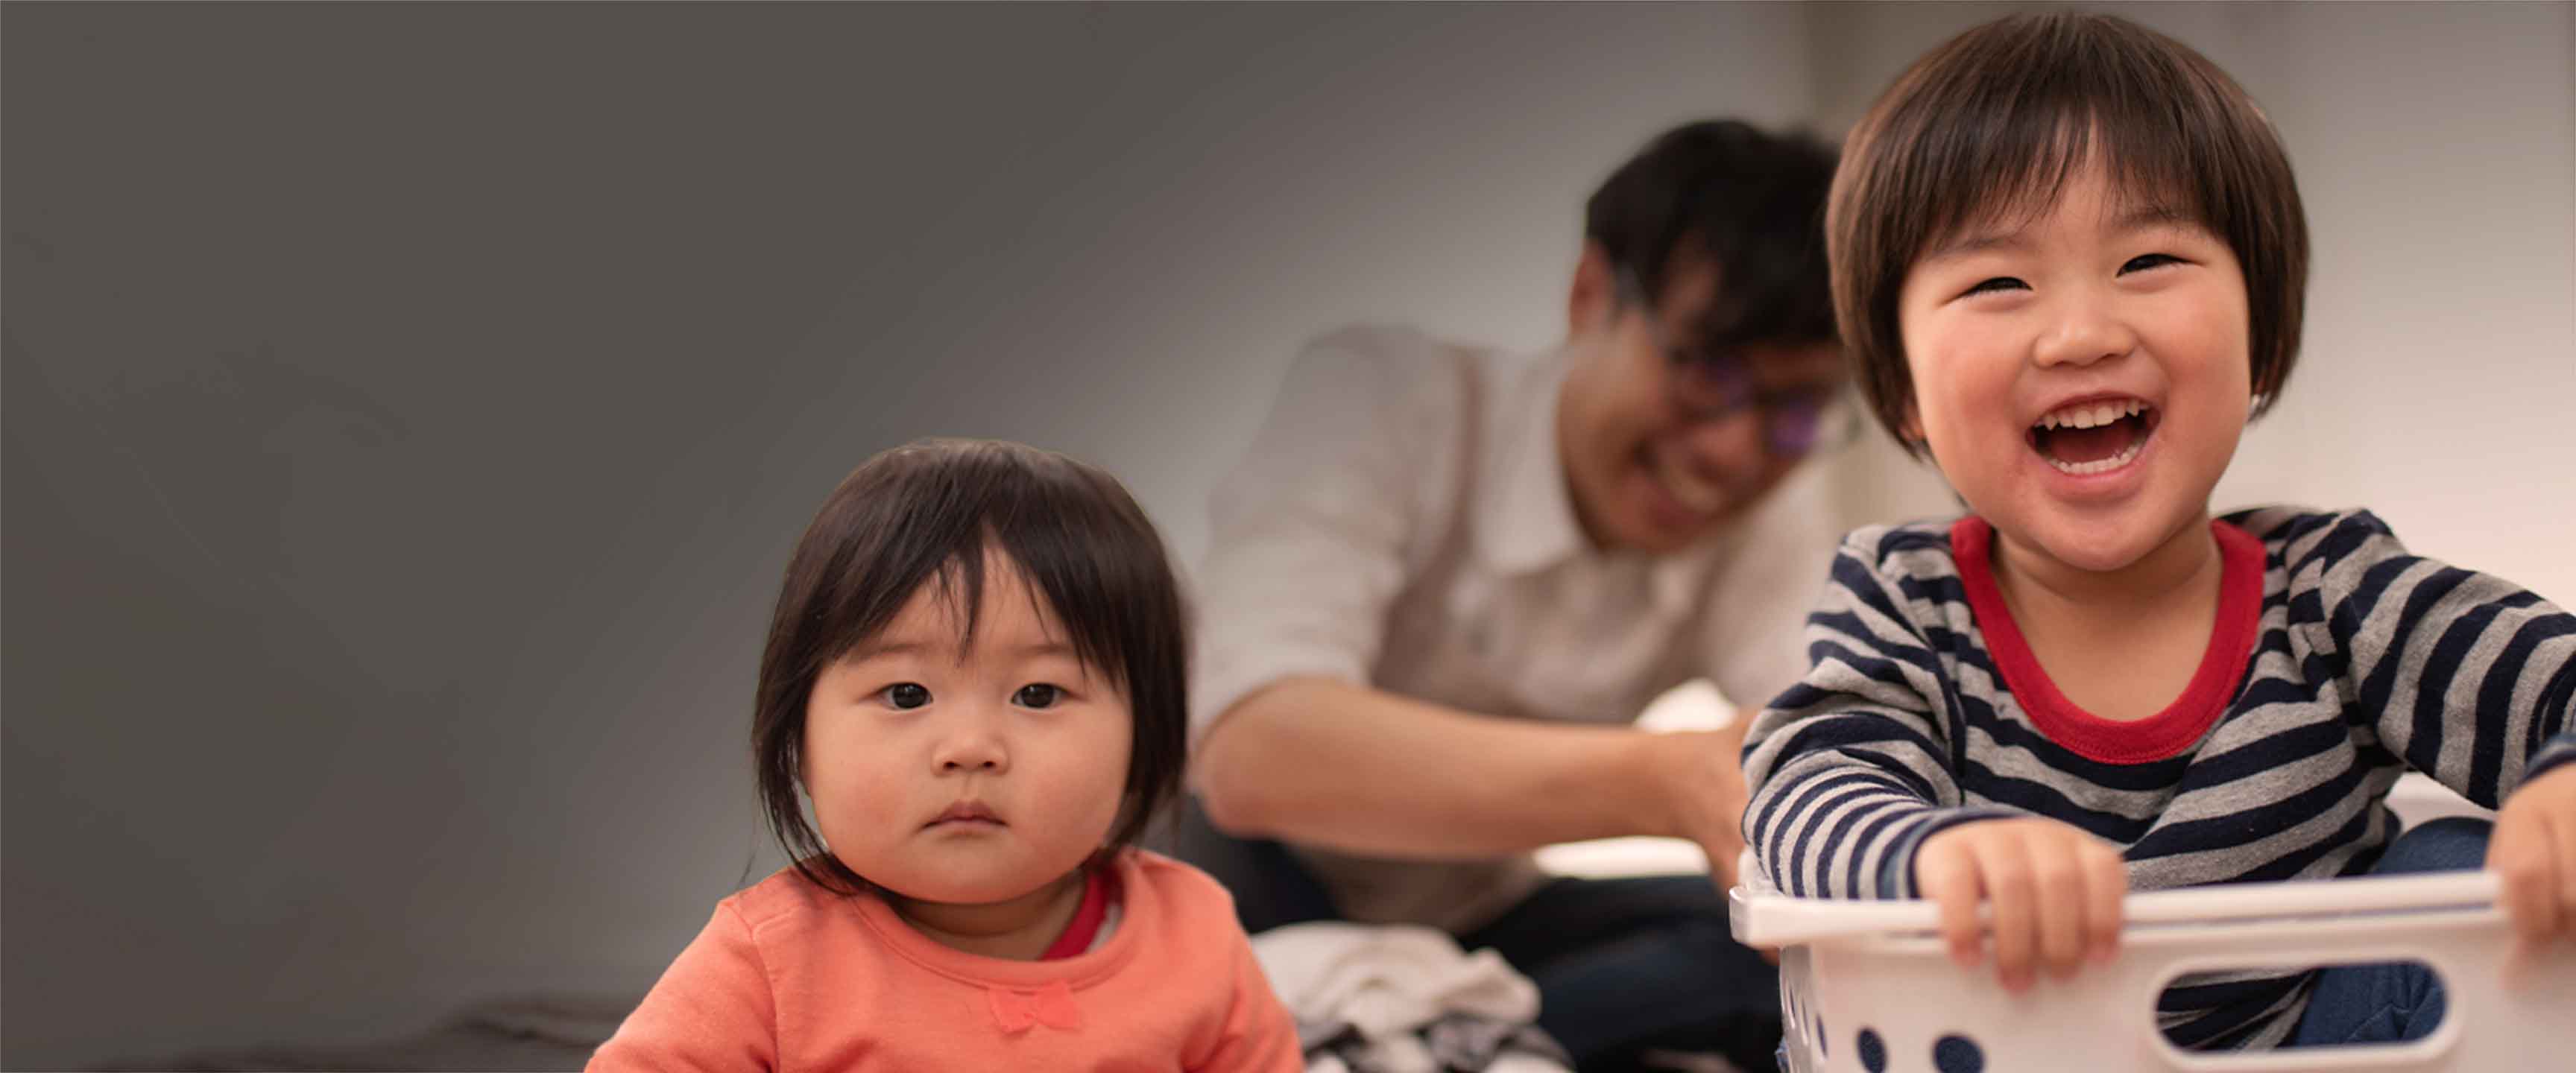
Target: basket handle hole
{"x":2361,"y":1004}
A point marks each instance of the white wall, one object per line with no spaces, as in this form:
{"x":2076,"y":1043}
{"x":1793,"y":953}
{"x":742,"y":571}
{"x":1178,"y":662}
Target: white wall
{"x":2437,"y":152}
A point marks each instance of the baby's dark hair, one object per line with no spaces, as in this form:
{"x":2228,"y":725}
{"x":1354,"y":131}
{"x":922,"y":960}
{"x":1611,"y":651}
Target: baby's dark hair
{"x":928,"y":512}
{"x":1996,"y":120}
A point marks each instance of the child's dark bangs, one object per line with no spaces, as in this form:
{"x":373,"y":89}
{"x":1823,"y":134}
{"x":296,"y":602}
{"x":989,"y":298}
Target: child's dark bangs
{"x":958,"y":587}
{"x":937,"y":524}
{"x":1072,"y":571}
{"x":2009,"y":162}
{"x":894,"y":552}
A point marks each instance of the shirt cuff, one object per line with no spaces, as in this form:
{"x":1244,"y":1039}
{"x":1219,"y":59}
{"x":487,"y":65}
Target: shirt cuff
{"x":2557,"y":752}
{"x":1896,"y":870}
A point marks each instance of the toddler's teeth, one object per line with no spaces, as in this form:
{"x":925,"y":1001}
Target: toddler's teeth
{"x":2104,"y":465}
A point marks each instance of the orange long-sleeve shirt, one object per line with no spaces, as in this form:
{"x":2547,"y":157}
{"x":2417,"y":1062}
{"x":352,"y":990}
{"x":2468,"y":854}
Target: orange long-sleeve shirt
{"x":790,"y":976}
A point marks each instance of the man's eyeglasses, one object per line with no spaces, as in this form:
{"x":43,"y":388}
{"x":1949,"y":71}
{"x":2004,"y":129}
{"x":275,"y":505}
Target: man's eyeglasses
{"x":1796,"y":421}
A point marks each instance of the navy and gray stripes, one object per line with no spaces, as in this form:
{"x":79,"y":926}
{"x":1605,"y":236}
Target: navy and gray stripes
{"x":2367,"y":661}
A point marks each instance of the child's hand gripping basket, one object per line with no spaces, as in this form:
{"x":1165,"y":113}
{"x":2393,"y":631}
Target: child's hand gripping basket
{"x":1869,"y":986}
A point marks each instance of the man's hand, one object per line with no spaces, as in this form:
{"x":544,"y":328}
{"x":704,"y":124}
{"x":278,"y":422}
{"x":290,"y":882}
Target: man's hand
{"x":2055,"y":892}
{"x":1703,"y":777}
{"x":2534,"y":850}
{"x":1360,"y":770}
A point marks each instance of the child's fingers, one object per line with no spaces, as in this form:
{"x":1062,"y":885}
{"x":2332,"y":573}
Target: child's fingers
{"x":1948,"y":876}
{"x":2552,"y":842}
{"x":2520,"y":854}
{"x":2106,"y":884}
{"x":2057,"y":882}
{"x":2564,"y":828}
{"x":2520,"y":964}
{"x":2005,"y":864}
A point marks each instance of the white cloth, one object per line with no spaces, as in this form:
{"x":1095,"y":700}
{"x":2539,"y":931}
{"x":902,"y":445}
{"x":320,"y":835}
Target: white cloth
{"x":1388,"y":982}
{"x":1402,"y":522}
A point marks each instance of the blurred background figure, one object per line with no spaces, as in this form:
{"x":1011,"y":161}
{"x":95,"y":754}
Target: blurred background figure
{"x":1446,"y":578}
{"x":408,"y":408}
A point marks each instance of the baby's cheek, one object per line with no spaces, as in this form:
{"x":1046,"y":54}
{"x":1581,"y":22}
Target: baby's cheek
{"x":1090,"y":801}
{"x":1086,"y":803}
{"x":851,"y":807}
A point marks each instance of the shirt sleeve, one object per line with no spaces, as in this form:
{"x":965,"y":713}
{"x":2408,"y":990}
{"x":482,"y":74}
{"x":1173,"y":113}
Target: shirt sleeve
{"x":1850,"y":769}
{"x":2467,"y":677}
{"x":1259,"y":1036}
{"x":711,"y":1010}
{"x":1308,"y":534}
{"x":1753,"y":645}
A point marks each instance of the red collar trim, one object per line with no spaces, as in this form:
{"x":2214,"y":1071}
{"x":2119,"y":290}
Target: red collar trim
{"x":1085,"y":926}
{"x":2162,"y":735}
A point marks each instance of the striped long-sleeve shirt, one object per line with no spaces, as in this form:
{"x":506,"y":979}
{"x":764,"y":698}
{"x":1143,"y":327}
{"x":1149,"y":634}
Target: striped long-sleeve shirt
{"x":2338,"y":661}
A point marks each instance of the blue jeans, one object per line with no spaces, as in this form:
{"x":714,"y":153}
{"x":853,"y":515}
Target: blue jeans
{"x":2392,"y":1003}
{"x":1623,"y":966}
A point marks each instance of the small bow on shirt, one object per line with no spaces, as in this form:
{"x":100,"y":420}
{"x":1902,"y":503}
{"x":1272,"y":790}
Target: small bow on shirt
{"x":1051,"y":1006}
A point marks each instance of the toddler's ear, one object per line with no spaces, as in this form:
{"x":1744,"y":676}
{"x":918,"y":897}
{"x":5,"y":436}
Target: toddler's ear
{"x":1913,"y":427}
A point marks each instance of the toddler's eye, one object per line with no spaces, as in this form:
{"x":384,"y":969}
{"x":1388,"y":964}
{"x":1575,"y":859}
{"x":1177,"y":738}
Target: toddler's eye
{"x":1996,"y":285}
{"x":1037,"y":695}
{"x":2146,"y":261}
{"x":905,"y":696}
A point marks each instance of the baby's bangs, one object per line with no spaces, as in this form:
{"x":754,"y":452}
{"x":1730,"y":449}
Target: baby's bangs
{"x":956,"y":585}
{"x":957,"y":572}
{"x":1071,"y":571}
{"x":931,"y":515}
{"x":868,"y":586}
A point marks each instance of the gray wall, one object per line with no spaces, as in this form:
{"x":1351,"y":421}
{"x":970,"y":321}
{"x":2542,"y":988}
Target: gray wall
{"x":407,"y":409}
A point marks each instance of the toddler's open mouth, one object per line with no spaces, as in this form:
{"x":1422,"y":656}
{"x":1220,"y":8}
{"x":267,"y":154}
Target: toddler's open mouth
{"x":2094,"y":436}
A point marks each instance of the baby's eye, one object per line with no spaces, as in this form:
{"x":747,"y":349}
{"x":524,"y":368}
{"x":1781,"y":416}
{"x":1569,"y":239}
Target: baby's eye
{"x":2144,"y":262}
{"x":905,"y":696}
{"x":1996,"y":285}
{"x":1037,"y":695}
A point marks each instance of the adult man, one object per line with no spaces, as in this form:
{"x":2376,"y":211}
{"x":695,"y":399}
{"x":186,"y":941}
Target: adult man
{"x":1445,"y":580}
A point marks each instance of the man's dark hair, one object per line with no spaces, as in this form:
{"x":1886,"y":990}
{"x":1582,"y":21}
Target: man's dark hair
{"x":1754,"y":202}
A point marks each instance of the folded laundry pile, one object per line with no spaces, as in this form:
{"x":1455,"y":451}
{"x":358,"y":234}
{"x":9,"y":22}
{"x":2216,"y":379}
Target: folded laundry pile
{"x":1401,"y":999}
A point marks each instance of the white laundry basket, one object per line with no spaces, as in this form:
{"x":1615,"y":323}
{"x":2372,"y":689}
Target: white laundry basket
{"x":1869,"y":986}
